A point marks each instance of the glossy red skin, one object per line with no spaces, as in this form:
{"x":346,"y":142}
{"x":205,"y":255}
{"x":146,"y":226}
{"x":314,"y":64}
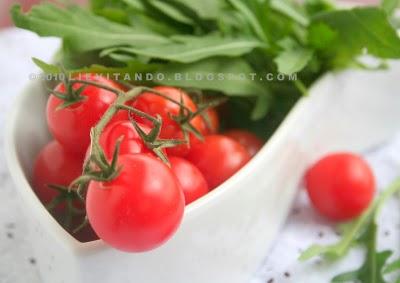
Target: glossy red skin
{"x":250,"y":141}
{"x":213,"y":127}
{"x":218,"y":158}
{"x":71,"y":126}
{"x":154,"y":105}
{"x":139,"y":210}
{"x":54,"y":165}
{"x":192,"y":181}
{"x":131,"y":142}
{"x":341,"y":186}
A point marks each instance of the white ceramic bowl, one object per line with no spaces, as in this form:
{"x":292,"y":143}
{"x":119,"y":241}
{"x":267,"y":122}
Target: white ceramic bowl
{"x":225,"y":235}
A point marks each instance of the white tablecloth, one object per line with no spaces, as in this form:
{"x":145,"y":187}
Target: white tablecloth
{"x":304,"y":226}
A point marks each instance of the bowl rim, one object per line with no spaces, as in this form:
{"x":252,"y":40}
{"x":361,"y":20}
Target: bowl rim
{"x":25,"y":189}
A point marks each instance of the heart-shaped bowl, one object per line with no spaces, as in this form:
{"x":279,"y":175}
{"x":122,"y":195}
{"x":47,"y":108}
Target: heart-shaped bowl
{"x":225,"y":235}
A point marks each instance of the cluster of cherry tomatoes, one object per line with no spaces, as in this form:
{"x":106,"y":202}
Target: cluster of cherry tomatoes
{"x":142,"y":206}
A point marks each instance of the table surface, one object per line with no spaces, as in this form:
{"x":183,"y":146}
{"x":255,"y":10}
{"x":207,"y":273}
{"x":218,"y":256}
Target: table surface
{"x":304,"y":226}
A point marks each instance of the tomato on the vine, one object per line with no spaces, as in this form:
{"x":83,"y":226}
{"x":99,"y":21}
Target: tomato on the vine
{"x":192,"y":181}
{"x":249,"y":140}
{"x":54,"y":166}
{"x":218,"y":158}
{"x":71,"y":125}
{"x":340,"y":186}
{"x":155,"y":104}
{"x":140,"y":209}
{"x":131,"y":142}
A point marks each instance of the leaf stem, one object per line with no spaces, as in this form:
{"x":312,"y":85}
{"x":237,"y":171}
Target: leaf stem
{"x":99,"y":85}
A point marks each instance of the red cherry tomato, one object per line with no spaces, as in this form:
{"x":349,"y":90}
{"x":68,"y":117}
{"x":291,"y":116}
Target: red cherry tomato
{"x":140,"y":209}
{"x":190,"y":178}
{"x":154,"y":105}
{"x":218,"y":158}
{"x":213,"y":126}
{"x":54,"y":166}
{"x":131,"y":141}
{"x":341,"y":186}
{"x":249,"y":140}
{"x":71,"y":126}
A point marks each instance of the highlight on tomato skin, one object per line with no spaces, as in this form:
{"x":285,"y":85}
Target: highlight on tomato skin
{"x":131,"y":142}
{"x":218,"y":157}
{"x":140,"y":209}
{"x":341,"y":186}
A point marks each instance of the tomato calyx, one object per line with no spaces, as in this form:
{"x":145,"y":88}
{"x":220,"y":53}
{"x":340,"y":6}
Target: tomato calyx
{"x":186,"y":116}
{"x":152,"y":140}
{"x":65,"y":195}
{"x":71,"y":96}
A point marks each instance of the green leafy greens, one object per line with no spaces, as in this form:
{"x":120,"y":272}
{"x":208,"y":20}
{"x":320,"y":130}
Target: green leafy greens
{"x":218,"y":36}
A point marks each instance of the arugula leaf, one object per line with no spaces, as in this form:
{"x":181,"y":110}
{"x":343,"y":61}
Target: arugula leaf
{"x":262,"y":107}
{"x":358,"y":29}
{"x":101,"y":4}
{"x":132,"y":68}
{"x":194,"y":49}
{"x":113,"y":10}
{"x":314,"y":7}
{"x":168,"y":8}
{"x":392,"y":267}
{"x":81,"y":30}
{"x":242,"y":8}
{"x":207,"y":74}
{"x":367,"y":273}
{"x":390,"y":6}
{"x":293,"y":58}
{"x":137,"y":5}
{"x":292,"y":10}
{"x":321,"y":36}
{"x":371,"y":270}
{"x":47,"y":68}
{"x":352,"y":233}
{"x":207,"y":9}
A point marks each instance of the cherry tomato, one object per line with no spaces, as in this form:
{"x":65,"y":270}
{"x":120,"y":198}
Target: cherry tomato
{"x":131,"y":141}
{"x":190,"y":178}
{"x":212,"y":127}
{"x":249,"y":140}
{"x":218,"y":158}
{"x":154,"y":105}
{"x":54,"y":166}
{"x":140,"y":209}
{"x":341,"y":186}
{"x":71,"y":126}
